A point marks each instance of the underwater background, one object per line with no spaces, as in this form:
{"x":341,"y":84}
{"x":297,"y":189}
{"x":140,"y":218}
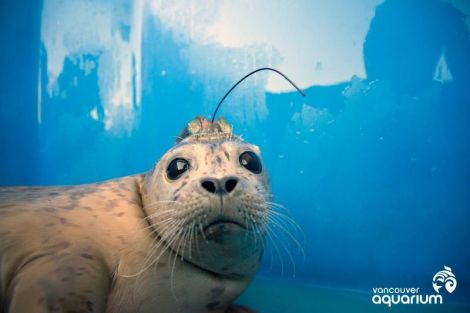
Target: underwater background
{"x":373,"y":164}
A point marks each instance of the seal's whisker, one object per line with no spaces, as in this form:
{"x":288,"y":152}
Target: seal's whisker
{"x":274,"y":244}
{"x":174,"y":235}
{"x":191,"y":239}
{"x":202,"y":231}
{"x":245,"y":219}
{"x":160,"y":216}
{"x":149,"y":258}
{"x":271,"y":255}
{"x":288,"y":220}
{"x":152,"y":207}
{"x":287,"y":225}
{"x":285,"y":249}
{"x":259,"y":236}
{"x":281,"y":234}
{"x":278,"y":206}
{"x":184,"y":241}
{"x":159,"y":223}
{"x":253,"y":233}
{"x":166,"y":244}
{"x":181,"y":235}
{"x":166,"y":231}
{"x":198,"y":226}
{"x":187,"y":245}
{"x":275,"y":222}
{"x":163,"y":201}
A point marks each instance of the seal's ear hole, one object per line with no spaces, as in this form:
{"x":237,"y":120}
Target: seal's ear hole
{"x":251,"y":162}
{"x":176,"y":168}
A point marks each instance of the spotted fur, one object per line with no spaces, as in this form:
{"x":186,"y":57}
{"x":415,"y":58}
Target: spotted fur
{"x":140,"y":243}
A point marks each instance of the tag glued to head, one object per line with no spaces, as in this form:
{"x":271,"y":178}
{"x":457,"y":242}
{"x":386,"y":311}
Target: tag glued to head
{"x":201,"y":129}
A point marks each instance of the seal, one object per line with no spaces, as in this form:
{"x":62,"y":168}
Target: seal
{"x":185,"y":237}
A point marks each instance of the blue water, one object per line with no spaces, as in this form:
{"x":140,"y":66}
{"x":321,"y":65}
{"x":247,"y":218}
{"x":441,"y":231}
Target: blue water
{"x":375,"y":169}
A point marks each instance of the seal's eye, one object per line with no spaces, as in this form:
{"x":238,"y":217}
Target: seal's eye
{"x":251,"y":162}
{"x":176,"y":168}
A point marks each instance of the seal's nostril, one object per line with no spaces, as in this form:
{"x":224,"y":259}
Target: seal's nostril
{"x":209,"y":186}
{"x":230,"y":184}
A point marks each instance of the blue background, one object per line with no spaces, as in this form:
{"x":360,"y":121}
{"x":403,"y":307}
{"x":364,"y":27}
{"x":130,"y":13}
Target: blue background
{"x":375,"y":169}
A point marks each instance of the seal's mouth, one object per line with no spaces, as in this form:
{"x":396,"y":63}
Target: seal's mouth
{"x":223,"y":225}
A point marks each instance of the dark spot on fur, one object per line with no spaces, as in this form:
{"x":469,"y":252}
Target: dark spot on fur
{"x":72,"y":206}
{"x":120,"y":214}
{"x":87,"y":256}
{"x":176,"y":197}
{"x":76,"y":196}
{"x":181,"y":186}
{"x":227,"y":155}
{"x":213,"y":305}
{"x":112,"y":204}
{"x":217,"y":291}
{"x":219,"y":160}
{"x":89,"y":306}
{"x":63,"y":220}
{"x":49,"y":209}
{"x":122,"y":239}
{"x":53,"y":193}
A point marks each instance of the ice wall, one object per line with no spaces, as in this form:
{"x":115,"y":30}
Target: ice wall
{"x":108,"y":31}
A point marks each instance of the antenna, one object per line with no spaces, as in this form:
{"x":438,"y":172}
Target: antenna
{"x":248,"y":75}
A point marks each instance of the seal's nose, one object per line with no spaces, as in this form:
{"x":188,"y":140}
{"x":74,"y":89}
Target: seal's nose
{"x":221,"y":186}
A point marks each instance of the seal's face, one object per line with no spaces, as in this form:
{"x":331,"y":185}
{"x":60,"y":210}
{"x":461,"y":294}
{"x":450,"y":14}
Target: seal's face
{"x":207,"y":200}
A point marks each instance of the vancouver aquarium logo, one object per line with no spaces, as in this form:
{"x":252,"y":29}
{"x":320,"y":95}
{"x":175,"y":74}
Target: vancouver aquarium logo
{"x":444,"y":278}
{"x":411,"y":295}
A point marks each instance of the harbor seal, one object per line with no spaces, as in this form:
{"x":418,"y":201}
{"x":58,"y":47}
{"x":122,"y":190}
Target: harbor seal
{"x":185,"y":237}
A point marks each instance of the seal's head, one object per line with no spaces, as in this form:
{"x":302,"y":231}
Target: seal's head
{"x":207,"y":199}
